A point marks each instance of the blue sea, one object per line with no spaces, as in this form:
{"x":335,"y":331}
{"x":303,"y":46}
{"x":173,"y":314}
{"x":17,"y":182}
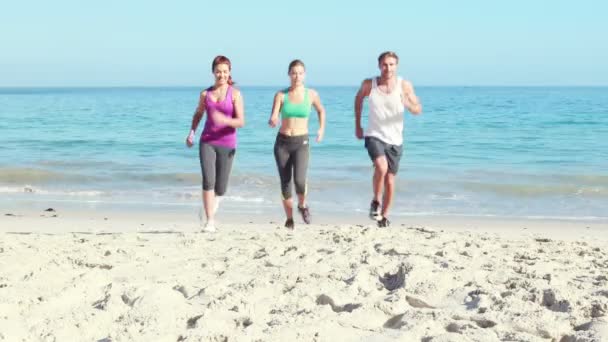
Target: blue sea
{"x":533,"y":152}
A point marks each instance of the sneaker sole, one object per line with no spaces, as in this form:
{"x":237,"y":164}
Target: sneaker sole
{"x":377,"y":217}
{"x":309,"y":221}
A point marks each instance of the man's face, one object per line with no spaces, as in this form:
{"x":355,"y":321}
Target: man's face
{"x":388,"y":67}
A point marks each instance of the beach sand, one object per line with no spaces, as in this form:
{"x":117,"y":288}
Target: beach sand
{"x":93,"y":276}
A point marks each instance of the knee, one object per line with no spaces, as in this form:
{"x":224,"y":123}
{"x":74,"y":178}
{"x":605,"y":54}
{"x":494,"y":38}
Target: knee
{"x":208,"y":184}
{"x":220,"y":186}
{"x":285,"y":190}
{"x":381,"y":167}
{"x":220,"y":191}
{"x":300,"y":186}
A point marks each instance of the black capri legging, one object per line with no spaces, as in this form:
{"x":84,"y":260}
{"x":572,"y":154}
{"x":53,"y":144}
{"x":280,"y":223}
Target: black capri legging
{"x":291,"y":154}
{"x":216,"y":163}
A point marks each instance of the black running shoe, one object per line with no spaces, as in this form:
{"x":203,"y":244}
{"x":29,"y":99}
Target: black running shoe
{"x":384,"y":223}
{"x":374,"y":211}
{"x":305,"y":212}
{"x":289,"y":223}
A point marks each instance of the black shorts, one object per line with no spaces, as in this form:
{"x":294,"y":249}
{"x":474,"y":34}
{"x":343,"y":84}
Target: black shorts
{"x":376,"y":148}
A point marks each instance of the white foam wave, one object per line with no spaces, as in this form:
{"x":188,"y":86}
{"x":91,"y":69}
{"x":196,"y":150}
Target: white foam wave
{"x":28,"y":189}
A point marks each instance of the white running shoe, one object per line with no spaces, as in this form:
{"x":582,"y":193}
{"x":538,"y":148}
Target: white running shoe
{"x":209,"y":227}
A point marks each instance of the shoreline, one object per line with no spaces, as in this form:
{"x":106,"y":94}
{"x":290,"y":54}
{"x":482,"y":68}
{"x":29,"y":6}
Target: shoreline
{"x":186,"y":220}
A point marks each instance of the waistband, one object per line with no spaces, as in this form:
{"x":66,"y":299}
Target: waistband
{"x":292,"y":138}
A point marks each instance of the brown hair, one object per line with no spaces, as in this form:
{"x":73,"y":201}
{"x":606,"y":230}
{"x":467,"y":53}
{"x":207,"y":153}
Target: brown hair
{"x":294,"y":64}
{"x":387,"y":54}
{"x":222,"y":60}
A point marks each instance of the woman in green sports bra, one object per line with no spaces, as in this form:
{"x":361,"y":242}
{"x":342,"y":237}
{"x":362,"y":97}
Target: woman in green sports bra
{"x":291,"y":149}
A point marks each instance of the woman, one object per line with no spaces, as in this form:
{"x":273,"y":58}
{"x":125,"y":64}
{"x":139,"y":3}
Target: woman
{"x":291,"y":149}
{"x":224,"y":106}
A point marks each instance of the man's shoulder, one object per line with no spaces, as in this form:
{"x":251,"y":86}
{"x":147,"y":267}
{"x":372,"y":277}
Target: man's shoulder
{"x":367,"y":83}
{"x":406,"y":84}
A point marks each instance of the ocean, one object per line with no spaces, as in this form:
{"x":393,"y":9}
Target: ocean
{"x":525,"y":152}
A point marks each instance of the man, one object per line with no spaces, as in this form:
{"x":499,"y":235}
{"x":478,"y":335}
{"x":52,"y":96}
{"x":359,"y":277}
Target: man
{"x":388,"y":97}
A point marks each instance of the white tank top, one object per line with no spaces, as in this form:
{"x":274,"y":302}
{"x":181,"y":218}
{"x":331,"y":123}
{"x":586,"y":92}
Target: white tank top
{"x":385,"y":119}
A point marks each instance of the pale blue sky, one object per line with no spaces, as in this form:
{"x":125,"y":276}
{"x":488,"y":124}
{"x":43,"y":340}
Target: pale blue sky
{"x":155,"y":43}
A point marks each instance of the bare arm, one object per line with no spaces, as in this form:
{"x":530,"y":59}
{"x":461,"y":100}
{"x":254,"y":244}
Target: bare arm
{"x":196,"y":118}
{"x":363,"y":92}
{"x":410,"y":100}
{"x":316,"y":102}
{"x":239,"y":111}
{"x":199,"y":112}
{"x":276,"y":108}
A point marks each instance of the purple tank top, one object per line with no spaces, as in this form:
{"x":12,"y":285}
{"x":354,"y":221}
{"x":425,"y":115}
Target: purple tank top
{"x":213,"y":133}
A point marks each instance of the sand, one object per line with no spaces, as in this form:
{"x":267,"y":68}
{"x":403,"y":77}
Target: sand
{"x":104,"y":277}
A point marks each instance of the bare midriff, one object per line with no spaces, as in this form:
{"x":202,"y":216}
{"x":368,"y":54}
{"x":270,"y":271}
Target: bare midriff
{"x":294,"y":126}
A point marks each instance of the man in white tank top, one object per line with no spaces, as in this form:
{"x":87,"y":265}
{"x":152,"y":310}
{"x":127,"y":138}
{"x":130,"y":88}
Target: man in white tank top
{"x":388,"y":97}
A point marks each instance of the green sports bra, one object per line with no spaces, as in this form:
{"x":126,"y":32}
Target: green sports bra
{"x":295,"y":110}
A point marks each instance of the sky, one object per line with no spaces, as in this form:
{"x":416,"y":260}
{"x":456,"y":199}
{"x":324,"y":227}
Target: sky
{"x":172,"y":43}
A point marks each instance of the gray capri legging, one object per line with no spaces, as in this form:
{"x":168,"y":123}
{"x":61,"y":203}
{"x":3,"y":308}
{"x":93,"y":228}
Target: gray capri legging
{"x":291,"y":154}
{"x":216,"y":163}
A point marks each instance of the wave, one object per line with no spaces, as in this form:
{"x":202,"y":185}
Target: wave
{"x":144,"y":195}
{"x":35,"y":190}
{"x":24,"y":176}
{"x":40,"y":176}
{"x":457,"y":187}
{"x":537,"y":190}
{"x":160,"y":178}
{"x":79,"y":163}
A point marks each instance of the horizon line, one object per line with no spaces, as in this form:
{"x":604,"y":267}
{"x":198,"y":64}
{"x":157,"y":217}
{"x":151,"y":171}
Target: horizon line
{"x":320,"y":86}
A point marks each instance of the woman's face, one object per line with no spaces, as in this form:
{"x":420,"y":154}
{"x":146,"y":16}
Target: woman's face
{"x":221,"y":73}
{"x":297,"y":75}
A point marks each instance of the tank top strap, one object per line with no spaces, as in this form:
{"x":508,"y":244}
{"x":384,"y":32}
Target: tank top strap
{"x":207,"y":91}
{"x":286,"y":95}
{"x":374,"y":82}
{"x":228,"y":94}
{"x":399,"y":85}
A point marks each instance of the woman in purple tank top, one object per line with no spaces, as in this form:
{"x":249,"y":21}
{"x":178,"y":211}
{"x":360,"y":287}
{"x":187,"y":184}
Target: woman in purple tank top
{"x":217,"y":146}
